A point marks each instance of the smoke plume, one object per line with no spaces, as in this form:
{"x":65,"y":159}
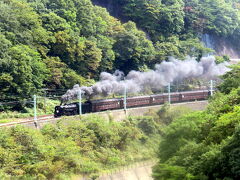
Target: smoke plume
{"x":163,"y":74}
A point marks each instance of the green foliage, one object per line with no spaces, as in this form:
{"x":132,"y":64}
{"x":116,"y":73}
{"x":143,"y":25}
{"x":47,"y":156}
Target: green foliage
{"x":230,"y":156}
{"x":85,"y":147}
{"x":133,"y":49}
{"x":231,"y":80}
{"x":148,"y":125}
{"x":44,"y":107}
{"x":201,"y":16}
{"x":221,"y":104}
{"x":167,"y":172}
{"x":61,"y":43}
{"x":224,"y":126}
{"x":156,"y":17}
{"x":167,"y":114}
{"x":202,"y":145}
{"x":221,"y":59}
{"x":178,"y":133}
{"x":20,"y":24}
{"x":23,"y":74}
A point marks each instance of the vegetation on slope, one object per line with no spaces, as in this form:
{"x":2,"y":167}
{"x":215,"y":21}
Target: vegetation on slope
{"x":56,"y":44}
{"x":176,"y":25}
{"x":86,"y":147}
{"x":204,"y":145}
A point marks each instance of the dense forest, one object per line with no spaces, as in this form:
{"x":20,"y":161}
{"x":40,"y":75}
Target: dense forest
{"x":55,"y":44}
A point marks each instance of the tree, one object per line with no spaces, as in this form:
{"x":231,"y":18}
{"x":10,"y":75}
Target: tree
{"x":24,"y":74}
{"x":132,"y":49}
{"x":108,"y":56}
{"x":21,"y":24}
{"x":203,"y":145}
{"x":167,"y":48}
{"x":231,"y":80}
{"x":5,"y":44}
{"x":156,"y":17}
{"x":53,"y":23}
{"x":217,"y":16}
{"x":80,"y":54}
{"x":60,"y":76}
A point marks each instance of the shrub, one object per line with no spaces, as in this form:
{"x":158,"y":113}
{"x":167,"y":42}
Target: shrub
{"x":81,"y":147}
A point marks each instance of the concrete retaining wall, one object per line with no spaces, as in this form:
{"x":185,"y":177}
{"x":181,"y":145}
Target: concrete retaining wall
{"x":138,"y":171}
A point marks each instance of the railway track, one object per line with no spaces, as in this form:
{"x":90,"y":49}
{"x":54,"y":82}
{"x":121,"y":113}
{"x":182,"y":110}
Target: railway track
{"x":48,"y":118}
{"x":40,"y":119}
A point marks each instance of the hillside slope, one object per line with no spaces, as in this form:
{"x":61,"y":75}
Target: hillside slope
{"x":56,"y":44}
{"x":185,"y":19}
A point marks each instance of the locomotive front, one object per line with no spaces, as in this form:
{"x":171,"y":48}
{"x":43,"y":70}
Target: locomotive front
{"x":66,"y":110}
{"x":72,"y":109}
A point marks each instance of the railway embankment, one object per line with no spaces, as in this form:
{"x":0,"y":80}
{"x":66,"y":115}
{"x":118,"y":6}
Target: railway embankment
{"x":119,"y":115}
{"x":115,"y":115}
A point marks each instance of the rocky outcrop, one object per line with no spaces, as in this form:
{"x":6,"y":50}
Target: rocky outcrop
{"x":221,"y":45}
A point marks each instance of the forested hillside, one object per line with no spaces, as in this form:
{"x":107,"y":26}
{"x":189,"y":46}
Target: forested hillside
{"x":183,"y":19}
{"x":204,"y":145}
{"x":56,"y":44}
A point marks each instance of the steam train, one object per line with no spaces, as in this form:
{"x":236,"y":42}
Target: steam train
{"x":118,"y":103}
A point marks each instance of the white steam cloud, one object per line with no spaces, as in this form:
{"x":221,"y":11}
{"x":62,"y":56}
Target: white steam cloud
{"x":164,"y":73}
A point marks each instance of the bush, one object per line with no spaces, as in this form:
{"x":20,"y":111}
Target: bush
{"x":167,"y":172}
{"x":203,"y":145}
{"x":148,"y":125}
{"x":81,"y":147}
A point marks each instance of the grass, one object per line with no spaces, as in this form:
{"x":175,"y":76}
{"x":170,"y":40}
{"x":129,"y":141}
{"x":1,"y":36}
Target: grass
{"x":6,"y":121}
{"x":11,"y":116}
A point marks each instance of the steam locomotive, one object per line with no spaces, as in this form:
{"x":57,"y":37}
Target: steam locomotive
{"x":118,"y":103}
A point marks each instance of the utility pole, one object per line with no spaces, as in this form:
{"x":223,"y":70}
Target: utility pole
{"x":125,"y":99}
{"x":35,"y":110}
{"x":169,"y":93}
{"x":211,"y":87}
{"x":80,"y":101}
{"x":45,"y":102}
{"x":177,"y":85}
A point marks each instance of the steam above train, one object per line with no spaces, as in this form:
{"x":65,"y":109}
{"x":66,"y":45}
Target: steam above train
{"x":137,"y":82}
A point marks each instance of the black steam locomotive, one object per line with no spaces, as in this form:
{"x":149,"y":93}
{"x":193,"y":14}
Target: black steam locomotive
{"x":118,"y":103}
